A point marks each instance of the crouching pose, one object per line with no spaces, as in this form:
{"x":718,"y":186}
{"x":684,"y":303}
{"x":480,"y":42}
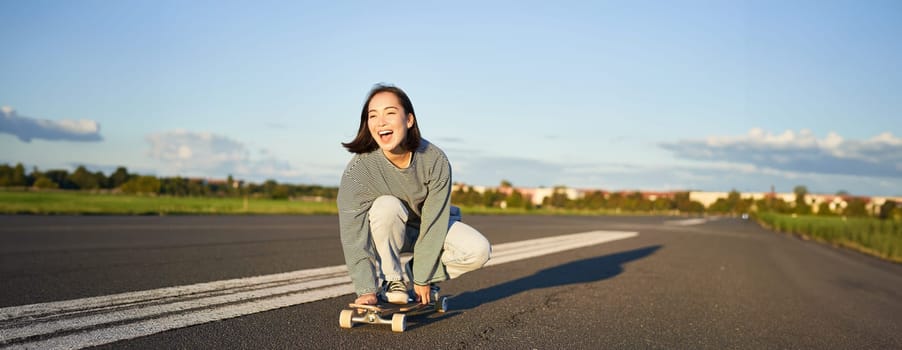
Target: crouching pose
{"x":395,"y":198}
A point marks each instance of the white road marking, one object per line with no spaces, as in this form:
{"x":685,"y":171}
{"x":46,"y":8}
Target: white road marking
{"x":79,"y":323}
{"x":514,"y":251}
{"x":687,"y":222}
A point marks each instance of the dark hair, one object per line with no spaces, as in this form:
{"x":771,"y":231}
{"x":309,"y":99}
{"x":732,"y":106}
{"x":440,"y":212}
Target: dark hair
{"x":364,"y":142}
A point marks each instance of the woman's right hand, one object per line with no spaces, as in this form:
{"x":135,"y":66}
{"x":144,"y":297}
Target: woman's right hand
{"x":366,"y":299}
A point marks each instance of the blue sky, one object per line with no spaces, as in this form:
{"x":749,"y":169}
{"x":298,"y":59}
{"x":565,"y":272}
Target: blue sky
{"x":704,"y":95}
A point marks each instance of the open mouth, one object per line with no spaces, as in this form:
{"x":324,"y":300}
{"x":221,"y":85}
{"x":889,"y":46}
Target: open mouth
{"x":385,"y":135}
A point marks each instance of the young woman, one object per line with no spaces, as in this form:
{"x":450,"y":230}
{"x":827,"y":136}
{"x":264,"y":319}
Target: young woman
{"x":394,"y":198}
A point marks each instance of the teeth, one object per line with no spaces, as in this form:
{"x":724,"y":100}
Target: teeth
{"x":384,"y":132}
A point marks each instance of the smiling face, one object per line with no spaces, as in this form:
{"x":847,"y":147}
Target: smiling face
{"x":388,"y":122}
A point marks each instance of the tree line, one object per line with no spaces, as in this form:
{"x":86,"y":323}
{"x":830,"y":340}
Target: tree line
{"x":505,"y":196}
{"x":732,"y":204}
{"x":855,"y":206}
{"x":596,"y":200}
{"x":121,"y":180}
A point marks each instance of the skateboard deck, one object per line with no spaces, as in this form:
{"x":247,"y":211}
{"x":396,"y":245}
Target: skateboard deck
{"x":392,"y":314}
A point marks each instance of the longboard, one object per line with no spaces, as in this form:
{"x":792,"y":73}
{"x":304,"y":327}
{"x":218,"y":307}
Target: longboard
{"x":380,"y":313}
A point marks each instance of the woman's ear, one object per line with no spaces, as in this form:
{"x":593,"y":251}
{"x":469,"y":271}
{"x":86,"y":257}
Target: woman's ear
{"x":410,"y":120}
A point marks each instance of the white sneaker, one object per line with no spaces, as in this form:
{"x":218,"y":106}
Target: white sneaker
{"x":396,"y":292}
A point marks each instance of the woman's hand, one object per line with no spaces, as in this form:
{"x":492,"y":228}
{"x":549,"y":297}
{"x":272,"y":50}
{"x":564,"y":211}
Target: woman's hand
{"x":423,"y":293}
{"x":366,"y":299}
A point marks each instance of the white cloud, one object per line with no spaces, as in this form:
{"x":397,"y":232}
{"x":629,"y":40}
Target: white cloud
{"x":205,"y":154}
{"x":799,"y":152}
{"x":27,"y":128}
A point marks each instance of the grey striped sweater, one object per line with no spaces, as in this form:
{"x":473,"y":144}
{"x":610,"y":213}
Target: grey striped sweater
{"x":424,"y":187}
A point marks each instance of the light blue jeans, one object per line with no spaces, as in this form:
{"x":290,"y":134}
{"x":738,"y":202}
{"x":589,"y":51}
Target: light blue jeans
{"x":465,"y":249}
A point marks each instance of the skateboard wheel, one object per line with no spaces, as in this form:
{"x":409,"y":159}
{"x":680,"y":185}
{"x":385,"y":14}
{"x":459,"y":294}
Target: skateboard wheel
{"x":441,"y":304}
{"x":344,"y":320}
{"x":398,"y":323}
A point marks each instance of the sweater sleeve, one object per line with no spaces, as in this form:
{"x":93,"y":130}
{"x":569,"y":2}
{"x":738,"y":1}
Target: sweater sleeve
{"x":427,"y":267}
{"x":353,"y":206}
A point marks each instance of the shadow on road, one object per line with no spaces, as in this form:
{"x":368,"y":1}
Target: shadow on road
{"x":582,"y":271}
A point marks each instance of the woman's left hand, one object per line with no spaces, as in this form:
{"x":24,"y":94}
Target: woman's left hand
{"x":423,"y":293}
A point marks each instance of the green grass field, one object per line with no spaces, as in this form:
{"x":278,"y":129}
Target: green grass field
{"x":86,"y":203}
{"x":881,"y":238}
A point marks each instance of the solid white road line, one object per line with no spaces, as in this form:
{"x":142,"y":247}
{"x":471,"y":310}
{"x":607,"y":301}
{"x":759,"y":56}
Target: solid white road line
{"x":79,"y":323}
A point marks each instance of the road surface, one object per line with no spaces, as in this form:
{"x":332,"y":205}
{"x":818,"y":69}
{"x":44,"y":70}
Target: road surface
{"x":655,"y":282}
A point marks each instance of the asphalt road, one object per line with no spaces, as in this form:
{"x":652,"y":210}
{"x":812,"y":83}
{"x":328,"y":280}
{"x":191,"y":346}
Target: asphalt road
{"x":724,"y":283}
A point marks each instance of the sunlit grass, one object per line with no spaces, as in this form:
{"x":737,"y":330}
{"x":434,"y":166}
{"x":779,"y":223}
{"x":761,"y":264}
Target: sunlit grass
{"x":77,"y":202}
{"x":881,"y":238}
{"x":89,"y":203}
